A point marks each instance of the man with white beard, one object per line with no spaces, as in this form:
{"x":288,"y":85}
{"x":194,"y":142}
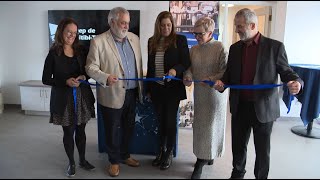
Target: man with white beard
{"x":116,"y":54}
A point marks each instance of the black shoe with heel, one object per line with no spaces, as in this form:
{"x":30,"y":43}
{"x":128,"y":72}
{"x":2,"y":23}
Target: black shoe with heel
{"x":160,"y":157}
{"x":86,"y":165}
{"x":167,"y":160}
{"x":71,"y":171}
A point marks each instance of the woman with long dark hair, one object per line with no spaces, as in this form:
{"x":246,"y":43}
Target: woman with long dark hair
{"x":63,"y":70}
{"x":168,"y":54}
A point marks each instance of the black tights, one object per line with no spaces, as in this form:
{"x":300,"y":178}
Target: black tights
{"x":68,"y":142}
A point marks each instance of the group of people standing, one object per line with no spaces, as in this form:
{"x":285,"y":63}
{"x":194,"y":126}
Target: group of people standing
{"x":116,"y":54}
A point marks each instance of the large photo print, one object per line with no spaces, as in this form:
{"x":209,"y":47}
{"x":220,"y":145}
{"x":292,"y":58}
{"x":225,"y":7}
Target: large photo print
{"x":186,"y":13}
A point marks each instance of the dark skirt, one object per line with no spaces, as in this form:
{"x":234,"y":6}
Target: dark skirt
{"x":85,"y":110}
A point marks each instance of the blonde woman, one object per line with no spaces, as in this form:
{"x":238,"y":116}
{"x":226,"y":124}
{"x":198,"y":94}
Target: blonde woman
{"x":208,"y":62}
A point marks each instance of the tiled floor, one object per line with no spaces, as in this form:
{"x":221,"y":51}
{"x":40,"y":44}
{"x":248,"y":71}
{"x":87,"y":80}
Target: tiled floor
{"x":30,"y":147}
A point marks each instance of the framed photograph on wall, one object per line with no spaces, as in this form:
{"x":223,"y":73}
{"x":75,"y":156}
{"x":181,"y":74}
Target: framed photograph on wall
{"x":186,"y":13}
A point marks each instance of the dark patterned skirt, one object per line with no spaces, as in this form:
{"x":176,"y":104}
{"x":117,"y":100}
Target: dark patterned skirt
{"x":85,"y":110}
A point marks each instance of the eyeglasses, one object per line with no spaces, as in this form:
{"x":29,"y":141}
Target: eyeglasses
{"x":123,"y":23}
{"x":199,"y":33}
{"x":69,"y":33}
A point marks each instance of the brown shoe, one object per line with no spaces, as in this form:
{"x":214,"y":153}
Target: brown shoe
{"x":114,"y":170}
{"x":132,"y":162}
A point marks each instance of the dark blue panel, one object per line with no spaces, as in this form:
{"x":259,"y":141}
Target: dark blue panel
{"x":146,"y":138}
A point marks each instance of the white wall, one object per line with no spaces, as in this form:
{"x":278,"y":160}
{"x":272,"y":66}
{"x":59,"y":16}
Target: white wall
{"x":278,"y":20}
{"x":24,"y":36}
{"x":2,"y":46}
{"x":1,"y":60}
{"x":302,"y":32}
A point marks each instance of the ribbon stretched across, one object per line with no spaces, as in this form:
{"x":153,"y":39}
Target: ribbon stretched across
{"x":210,"y":83}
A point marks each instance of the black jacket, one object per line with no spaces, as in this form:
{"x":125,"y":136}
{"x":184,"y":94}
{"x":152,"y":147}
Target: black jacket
{"x":177,"y":58}
{"x":271,"y":62}
{"x":57,"y":69}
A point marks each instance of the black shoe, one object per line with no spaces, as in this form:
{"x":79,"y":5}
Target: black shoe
{"x":86,"y":165}
{"x":196,"y":174}
{"x":71,"y":171}
{"x":160,"y":157}
{"x":167,"y":160}
{"x":198,"y":168}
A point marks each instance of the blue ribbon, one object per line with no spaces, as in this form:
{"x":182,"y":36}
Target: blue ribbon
{"x":142,"y":79}
{"x":289,"y":105}
{"x":210,"y":83}
{"x":86,"y":82}
{"x":74,"y":92}
{"x":252,"y":87}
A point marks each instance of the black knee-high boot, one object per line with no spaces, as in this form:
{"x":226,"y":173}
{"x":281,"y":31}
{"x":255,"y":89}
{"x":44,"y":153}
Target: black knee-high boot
{"x":167,"y":161}
{"x":198,"y":168}
{"x":160,"y":157}
{"x":168,"y":156}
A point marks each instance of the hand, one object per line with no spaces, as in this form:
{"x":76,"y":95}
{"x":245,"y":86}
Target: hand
{"x":219,"y":85}
{"x":111,"y":80}
{"x":187,"y":81}
{"x":172,"y":72}
{"x":72,"y":82}
{"x":294,"y":87}
{"x":81,"y":77}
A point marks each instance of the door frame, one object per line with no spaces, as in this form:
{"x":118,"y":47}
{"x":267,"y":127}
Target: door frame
{"x":272,"y":4}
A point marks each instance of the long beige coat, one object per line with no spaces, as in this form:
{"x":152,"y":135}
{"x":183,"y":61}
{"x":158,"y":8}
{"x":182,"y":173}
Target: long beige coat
{"x":210,"y":106}
{"x":104,"y":59}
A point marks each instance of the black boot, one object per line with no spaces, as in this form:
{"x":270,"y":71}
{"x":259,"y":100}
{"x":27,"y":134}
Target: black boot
{"x":198,"y":168}
{"x":167,"y":160}
{"x":160,"y":157}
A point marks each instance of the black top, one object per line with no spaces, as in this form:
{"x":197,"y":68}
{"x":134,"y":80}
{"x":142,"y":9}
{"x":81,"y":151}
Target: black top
{"x":57,"y":69}
{"x":177,"y":58}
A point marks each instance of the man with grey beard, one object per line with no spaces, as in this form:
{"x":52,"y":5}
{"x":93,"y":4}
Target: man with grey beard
{"x":116,"y":54}
{"x":255,"y":59}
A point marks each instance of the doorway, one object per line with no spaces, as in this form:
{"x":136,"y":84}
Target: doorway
{"x":226,"y":17}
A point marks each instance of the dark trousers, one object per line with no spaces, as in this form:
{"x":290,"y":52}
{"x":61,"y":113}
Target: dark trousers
{"x":80,"y":138}
{"x":241,"y":128}
{"x":119,"y":125}
{"x":166,"y":106}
